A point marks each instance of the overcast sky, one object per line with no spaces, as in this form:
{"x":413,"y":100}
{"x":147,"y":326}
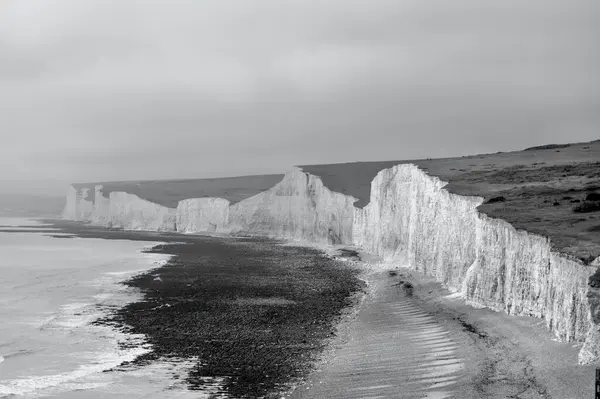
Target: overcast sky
{"x":94,"y":90}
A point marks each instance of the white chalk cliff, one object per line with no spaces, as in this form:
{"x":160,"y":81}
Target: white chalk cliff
{"x":101,"y":213}
{"x":130,"y":212}
{"x":78,"y":206}
{"x":202,"y":215}
{"x":411,"y":219}
{"x":298,"y":207}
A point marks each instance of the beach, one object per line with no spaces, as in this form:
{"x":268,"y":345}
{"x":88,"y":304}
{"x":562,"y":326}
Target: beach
{"x":254,"y":317}
{"x":248,"y":316}
{"x":411,"y":338}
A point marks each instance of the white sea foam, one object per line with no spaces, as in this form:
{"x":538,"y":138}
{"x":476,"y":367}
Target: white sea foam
{"x":74,"y":307}
{"x":104,"y":361}
{"x":103,"y":297}
{"x":71,"y":316}
{"x":127,"y":272}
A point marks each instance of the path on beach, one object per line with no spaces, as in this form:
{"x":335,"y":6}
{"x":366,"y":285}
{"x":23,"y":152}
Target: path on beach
{"x":416,"y":340}
{"x":393,"y":349}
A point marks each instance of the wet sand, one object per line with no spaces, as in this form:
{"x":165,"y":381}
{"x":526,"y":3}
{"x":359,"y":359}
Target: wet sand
{"x":391,"y":349}
{"x":410,"y":338}
{"x":511,"y":356}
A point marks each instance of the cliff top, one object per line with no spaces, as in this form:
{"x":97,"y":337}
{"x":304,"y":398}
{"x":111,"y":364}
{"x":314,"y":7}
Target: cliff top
{"x":170,"y":192}
{"x":537,"y":189}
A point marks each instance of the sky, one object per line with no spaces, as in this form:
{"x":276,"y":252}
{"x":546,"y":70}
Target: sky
{"x":97,"y":90}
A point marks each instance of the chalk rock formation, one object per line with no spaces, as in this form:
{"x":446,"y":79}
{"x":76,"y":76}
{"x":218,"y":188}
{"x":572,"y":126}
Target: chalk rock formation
{"x":121,"y":210}
{"x":101,"y":214}
{"x":70,"y":211}
{"x":411,"y":218}
{"x":130,"y":212}
{"x":590,"y":352}
{"x":78,"y":206}
{"x":298,"y":207}
{"x":202,"y":215}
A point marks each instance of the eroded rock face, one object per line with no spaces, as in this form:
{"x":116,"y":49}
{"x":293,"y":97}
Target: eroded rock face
{"x":121,"y":210}
{"x":518,"y":272}
{"x":78,"y":206}
{"x":70,"y":211}
{"x":298,"y":207}
{"x":413,"y":220}
{"x":129,"y":212}
{"x":202,"y":215}
{"x":101,"y":214}
{"x":590,"y":352}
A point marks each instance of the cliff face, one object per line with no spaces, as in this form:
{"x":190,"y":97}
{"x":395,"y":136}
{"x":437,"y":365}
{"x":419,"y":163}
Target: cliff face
{"x":518,"y":272}
{"x":121,"y":210}
{"x":129,"y":212}
{"x":101,"y":214}
{"x":590,"y":352}
{"x":70,"y":211}
{"x":413,"y":220}
{"x":298,"y":207}
{"x":410,"y":219}
{"x":202,"y":215}
{"x":78,"y":206}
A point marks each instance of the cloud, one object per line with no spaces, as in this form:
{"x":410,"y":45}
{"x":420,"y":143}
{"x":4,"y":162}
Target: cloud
{"x":125,"y":89}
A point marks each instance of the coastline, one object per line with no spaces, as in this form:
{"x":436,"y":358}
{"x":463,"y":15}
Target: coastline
{"x":54,"y":290}
{"x":504,"y":355}
{"x":257,"y":310}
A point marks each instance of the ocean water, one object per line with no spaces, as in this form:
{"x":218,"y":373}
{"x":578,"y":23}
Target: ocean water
{"x":51,"y":289}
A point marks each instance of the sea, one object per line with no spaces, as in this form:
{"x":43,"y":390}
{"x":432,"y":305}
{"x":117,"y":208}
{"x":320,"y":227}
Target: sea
{"x":52,"y":288}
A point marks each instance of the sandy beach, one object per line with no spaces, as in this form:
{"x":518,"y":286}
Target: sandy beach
{"x":411,"y":338}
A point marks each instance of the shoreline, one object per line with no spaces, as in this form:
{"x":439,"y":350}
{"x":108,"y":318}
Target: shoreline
{"x":52,"y":347}
{"x":255,"y":309}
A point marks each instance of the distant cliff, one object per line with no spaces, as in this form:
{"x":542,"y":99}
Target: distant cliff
{"x":411,"y":219}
